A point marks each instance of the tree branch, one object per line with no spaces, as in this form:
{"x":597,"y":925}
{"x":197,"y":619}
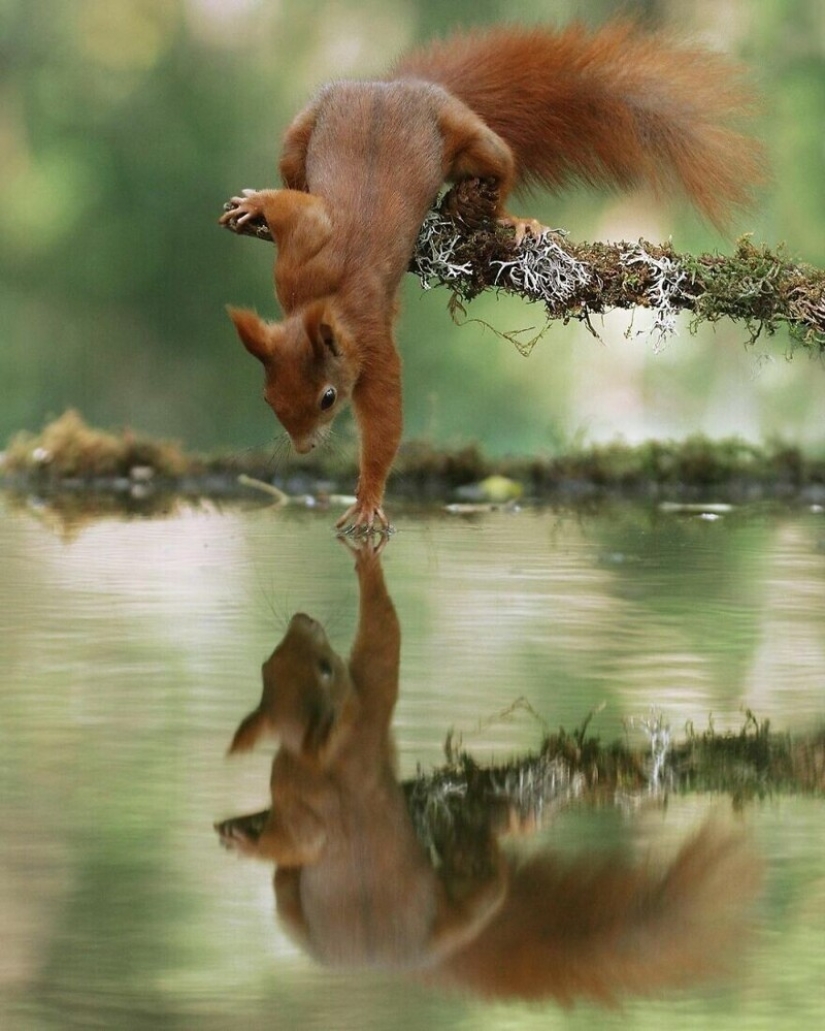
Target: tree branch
{"x":460,"y":246}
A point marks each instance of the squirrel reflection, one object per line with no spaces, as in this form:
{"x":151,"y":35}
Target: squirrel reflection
{"x":355,"y":887}
{"x":353,"y":884}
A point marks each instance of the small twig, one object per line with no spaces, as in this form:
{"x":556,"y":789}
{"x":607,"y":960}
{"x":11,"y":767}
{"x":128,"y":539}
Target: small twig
{"x":281,"y":497}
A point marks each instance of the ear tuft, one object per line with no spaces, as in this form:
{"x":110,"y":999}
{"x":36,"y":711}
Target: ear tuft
{"x":322,"y":331}
{"x":327,"y":335}
{"x":253,"y":331}
{"x":247,"y":734}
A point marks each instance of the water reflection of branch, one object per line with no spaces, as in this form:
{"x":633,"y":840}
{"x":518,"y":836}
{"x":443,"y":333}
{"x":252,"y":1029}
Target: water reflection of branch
{"x":749,"y":763}
{"x":572,"y":768}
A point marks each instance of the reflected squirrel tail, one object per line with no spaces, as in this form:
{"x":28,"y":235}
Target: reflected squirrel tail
{"x":611,"y":107}
{"x":601,"y":930}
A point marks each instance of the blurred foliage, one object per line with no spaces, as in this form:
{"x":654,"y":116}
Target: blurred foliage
{"x":125,"y":124}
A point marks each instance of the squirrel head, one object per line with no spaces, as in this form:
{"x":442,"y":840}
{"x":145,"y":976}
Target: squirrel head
{"x":308,"y":376}
{"x":307,"y":693}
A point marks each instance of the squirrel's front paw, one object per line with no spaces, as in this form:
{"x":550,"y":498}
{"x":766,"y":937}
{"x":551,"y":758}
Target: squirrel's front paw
{"x":362,"y":520}
{"x":244,"y":208}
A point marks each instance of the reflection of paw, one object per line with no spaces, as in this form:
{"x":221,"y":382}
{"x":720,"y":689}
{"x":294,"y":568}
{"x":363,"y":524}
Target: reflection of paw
{"x":242,"y":209}
{"x":365,"y":548}
{"x":234,"y":839}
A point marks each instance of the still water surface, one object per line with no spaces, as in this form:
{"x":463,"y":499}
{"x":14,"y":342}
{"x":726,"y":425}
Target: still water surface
{"x":130,"y":650}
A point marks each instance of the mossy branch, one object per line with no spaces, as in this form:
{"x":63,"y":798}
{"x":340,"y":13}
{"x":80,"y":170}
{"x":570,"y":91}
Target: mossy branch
{"x":461,"y":247}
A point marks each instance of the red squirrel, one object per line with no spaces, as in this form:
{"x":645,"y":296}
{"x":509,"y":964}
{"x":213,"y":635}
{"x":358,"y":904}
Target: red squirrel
{"x":355,"y":885}
{"x":363,"y":163}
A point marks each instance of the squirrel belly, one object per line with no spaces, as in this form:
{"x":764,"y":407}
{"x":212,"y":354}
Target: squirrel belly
{"x":362,"y":164}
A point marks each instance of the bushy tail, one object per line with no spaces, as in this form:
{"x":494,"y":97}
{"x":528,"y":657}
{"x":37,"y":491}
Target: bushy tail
{"x":605,"y":930}
{"x":615,"y":107}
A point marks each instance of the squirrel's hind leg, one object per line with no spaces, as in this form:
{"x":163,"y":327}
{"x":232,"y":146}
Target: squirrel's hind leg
{"x":474,"y":151}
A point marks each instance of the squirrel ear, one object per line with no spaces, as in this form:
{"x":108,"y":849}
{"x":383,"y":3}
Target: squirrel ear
{"x":321,"y":330}
{"x":327,"y":335}
{"x":254,"y":333}
{"x":250,"y":729}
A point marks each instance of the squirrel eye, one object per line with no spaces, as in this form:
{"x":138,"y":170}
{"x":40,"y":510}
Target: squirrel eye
{"x":328,"y":399}
{"x":325,"y":669}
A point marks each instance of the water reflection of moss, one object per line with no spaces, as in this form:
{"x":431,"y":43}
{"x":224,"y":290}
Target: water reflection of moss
{"x":459,"y":804}
{"x":753,"y":761}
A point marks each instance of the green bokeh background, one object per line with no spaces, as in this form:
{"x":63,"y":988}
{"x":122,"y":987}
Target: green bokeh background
{"x":125,"y":124}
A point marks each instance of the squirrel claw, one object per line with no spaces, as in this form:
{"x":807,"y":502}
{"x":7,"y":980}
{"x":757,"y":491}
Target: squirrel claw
{"x":241,"y":209}
{"x":363,"y":521}
{"x":364,"y":549}
{"x":523,"y":227}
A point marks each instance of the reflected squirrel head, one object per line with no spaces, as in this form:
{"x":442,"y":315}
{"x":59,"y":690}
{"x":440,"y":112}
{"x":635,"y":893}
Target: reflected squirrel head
{"x":307,"y":377}
{"x":306,"y":689}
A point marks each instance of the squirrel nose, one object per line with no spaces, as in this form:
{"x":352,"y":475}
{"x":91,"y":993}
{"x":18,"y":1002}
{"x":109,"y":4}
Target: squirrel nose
{"x":303,"y":445}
